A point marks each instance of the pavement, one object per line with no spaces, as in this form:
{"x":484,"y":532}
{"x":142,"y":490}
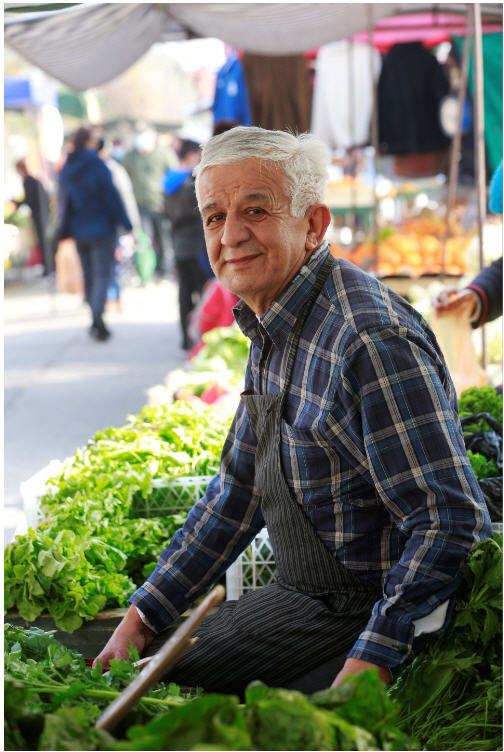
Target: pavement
{"x":60,"y":386}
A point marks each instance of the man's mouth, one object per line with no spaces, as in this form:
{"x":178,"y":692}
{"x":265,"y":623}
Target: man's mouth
{"x":242,"y":260}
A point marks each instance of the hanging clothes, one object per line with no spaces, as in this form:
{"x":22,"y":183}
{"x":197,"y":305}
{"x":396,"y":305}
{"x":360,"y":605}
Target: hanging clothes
{"x":410,"y":89}
{"x":231,"y":101}
{"x":280,"y":91}
{"x":343,"y":94}
{"x":492,"y":91}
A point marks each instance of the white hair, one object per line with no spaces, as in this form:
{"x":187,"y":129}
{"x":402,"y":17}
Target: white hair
{"x":303,"y":158}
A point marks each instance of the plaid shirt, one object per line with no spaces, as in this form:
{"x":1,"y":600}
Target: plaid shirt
{"x":371,"y":447}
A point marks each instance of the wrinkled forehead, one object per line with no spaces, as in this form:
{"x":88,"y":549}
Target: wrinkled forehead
{"x":248,"y":177}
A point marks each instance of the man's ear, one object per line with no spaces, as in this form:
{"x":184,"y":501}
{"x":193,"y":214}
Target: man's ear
{"x":319,"y":219}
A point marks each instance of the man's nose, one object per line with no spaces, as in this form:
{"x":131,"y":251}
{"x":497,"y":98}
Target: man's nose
{"x":235,"y":231}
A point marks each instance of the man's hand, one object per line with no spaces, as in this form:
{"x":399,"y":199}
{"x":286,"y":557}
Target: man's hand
{"x":355,"y":665}
{"x":130,"y":630}
{"x":451,"y":300}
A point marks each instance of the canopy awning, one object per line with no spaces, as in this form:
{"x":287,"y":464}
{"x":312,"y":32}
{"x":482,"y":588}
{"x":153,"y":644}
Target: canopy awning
{"x":92,"y":43}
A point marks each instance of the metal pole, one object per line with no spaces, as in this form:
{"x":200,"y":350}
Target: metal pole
{"x":479,"y":142}
{"x":374,"y":129}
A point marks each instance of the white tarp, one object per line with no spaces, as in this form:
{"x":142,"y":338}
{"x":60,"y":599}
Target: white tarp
{"x":92,"y":43}
{"x":278,"y":28}
{"x":89,"y":44}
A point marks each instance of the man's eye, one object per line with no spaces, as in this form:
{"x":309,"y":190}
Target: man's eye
{"x":213,"y":218}
{"x":255,"y":210}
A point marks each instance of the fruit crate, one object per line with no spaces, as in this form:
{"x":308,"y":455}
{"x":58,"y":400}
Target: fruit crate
{"x":253,"y":569}
{"x":170,"y":495}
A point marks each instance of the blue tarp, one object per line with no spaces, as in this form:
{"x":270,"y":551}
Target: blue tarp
{"x":20,"y":93}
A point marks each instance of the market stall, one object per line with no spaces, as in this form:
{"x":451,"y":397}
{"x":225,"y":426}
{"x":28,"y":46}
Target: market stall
{"x":102,"y":517}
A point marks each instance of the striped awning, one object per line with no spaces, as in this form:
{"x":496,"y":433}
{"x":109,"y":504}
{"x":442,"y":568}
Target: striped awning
{"x":91,"y":43}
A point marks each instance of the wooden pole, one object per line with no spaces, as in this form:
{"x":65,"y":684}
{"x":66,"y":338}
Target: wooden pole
{"x":160,"y":663}
{"x":374,"y":129}
{"x":457,"y":139}
{"x":479,"y":142}
{"x":351,"y":123}
{"x":455,"y":152}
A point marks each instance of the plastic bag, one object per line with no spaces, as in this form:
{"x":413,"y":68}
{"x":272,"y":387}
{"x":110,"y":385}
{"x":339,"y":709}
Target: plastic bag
{"x":69,"y":277}
{"x":145,"y":256}
{"x":489,"y":444}
{"x":492,"y":491}
{"x":454,"y":334}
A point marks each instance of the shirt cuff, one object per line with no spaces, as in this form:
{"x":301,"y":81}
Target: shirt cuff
{"x":387,"y":641}
{"x":154,"y":610}
{"x":145,"y":619}
{"x":480,"y":313}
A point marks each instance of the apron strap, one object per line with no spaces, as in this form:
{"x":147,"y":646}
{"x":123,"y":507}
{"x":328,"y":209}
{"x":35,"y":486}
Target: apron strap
{"x":294,"y":336}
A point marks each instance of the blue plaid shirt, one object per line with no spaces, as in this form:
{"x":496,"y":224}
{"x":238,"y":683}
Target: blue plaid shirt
{"x":372,"y":450}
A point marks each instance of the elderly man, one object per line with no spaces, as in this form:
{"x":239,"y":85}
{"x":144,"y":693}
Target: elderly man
{"x":346,"y":445}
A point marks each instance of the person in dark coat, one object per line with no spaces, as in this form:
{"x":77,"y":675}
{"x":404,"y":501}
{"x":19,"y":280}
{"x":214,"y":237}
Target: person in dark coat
{"x":181,"y":207}
{"x":93,"y":212}
{"x":37,"y":200}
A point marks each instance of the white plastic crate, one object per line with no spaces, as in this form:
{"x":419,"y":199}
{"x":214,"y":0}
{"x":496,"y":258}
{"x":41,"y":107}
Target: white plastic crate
{"x":253,"y":569}
{"x":170,"y":495}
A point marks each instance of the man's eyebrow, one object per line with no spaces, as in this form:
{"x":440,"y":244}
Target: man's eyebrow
{"x":258,"y":197}
{"x":209,"y":207}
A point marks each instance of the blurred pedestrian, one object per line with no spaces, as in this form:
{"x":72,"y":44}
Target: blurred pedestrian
{"x":122,"y":182}
{"x":181,"y":207}
{"x":37,"y":200}
{"x":118,"y":150}
{"x":146,"y":164}
{"x":92,"y":213}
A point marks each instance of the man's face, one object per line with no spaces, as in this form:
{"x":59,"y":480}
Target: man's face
{"x":255,"y":246}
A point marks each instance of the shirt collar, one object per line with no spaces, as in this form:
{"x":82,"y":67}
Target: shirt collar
{"x":280,"y":317}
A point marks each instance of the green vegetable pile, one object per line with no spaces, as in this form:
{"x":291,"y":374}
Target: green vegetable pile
{"x":448,"y":698}
{"x":52,"y":698}
{"x":225,"y":354}
{"x":483,"y":399}
{"x":482,"y":467}
{"x":451,"y":694}
{"x":52,"y":701}
{"x":89,"y":552}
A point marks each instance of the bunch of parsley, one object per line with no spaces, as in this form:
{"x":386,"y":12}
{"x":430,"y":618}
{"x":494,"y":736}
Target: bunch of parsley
{"x":451,"y":694}
{"x":52,"y":698}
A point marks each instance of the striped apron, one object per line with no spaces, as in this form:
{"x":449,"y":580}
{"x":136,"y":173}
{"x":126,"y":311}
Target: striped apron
{"x":288,"y":632}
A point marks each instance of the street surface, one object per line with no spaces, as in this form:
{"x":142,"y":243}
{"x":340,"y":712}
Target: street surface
{"x":60,"y":386}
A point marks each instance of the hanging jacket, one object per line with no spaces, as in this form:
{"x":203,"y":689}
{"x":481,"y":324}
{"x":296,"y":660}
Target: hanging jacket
{"x":279,"y":89}
{"x":231,"y":100}
{"x":411,"y":86}
{"x":92,"y":204}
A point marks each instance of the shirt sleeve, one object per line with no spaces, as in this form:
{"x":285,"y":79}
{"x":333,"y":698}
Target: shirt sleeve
{"x":399,"y":389}
{"x":217,"y":530}
{"x":488,"y":288}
